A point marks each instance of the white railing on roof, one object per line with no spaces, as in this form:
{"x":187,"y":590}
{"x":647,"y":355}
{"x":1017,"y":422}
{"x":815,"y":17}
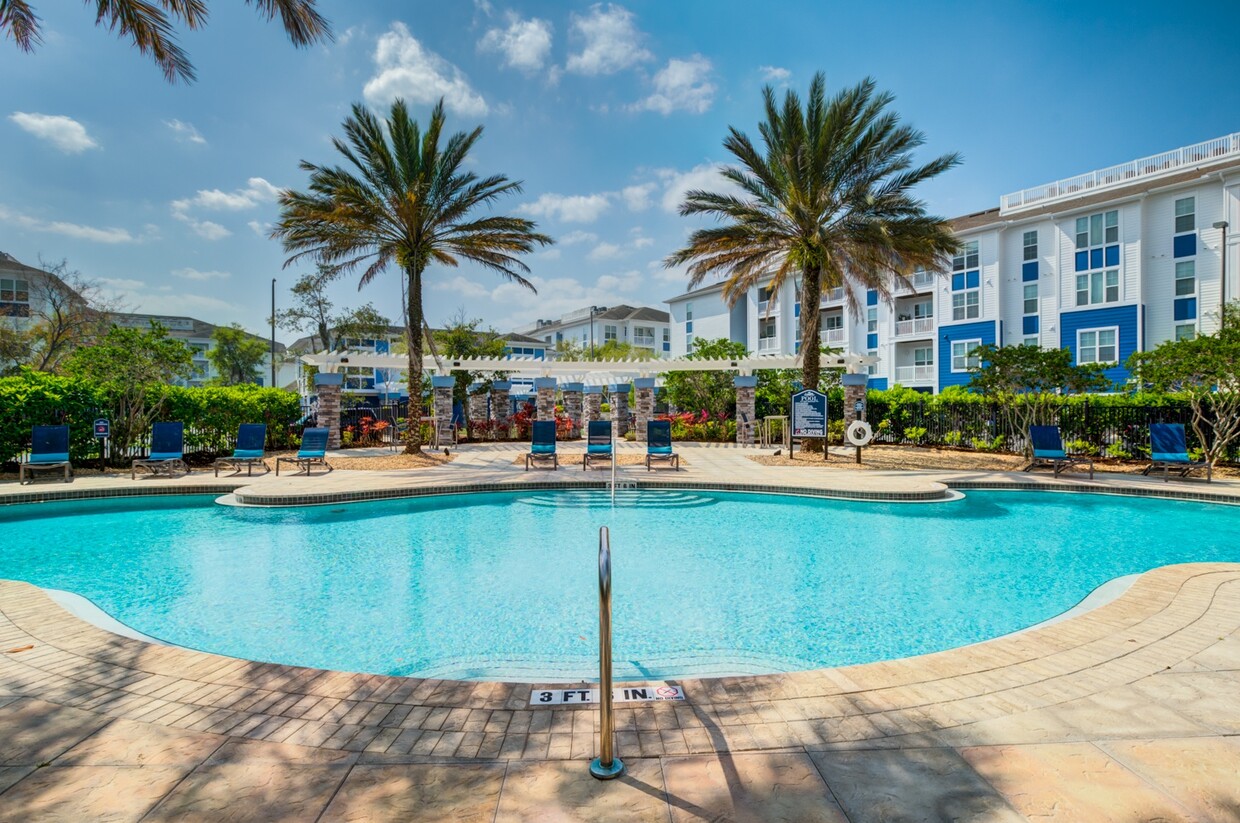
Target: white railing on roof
{"x":1158,"y":164}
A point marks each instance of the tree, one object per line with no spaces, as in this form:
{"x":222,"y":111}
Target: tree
{"x":1028,"y":382}
{"x":619,"y":350}
{"x":1206,"y":371}
{"x":828,"y":202}
{"x":709,"y":391}
{"x":66,"y":311}
{"x":148,"y":24}
{"x":237,"y":356}
{"x":404,"y":201}
{"x":461,"y":338}
{"x":130,"y":366}
{"x":314,"y":313}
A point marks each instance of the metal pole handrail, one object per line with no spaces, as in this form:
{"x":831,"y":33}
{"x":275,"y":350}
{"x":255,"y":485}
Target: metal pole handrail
{"x":614,"y":457}
{"x":606,"y":766}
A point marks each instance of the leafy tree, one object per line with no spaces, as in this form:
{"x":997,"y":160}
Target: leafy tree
{"x":710,"y":391}
{"x":67,"y":311}
{"x":313,"y":313}
{"x":827,"y":202}
{"x":1029,"y":382}
{"x":462,"y":338}
{"x":570,"y":350}
{"x":130,"y":366}
{"x":620,"y":350}
{"x":237,"y":356}
{"x":1206,"y":371}
{"x":406,"y":201}
{"x":148,"y":24}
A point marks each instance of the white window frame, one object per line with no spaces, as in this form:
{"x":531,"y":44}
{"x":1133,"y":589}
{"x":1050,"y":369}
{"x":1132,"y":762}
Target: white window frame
{"x":927,"y":359}
{"x":968,"y":257}
{"x":827,"y":319}
{"x":1026,"y":256}
{"x":1191,"y":264}
{"x":871,"y":320}
{"x":1097,"y":345}
{"x":763,"y":323}
{"x":1190,"y":327}
{"x":1088,"y":230}
{"x":970,"y":346}
{"x":873,"y":367}
{"x":1026,"y":299}
{"x":1191,"y":215}
{"x":1089,"y":287}
{"x":1031,"y":340}
{"x":610,"y":333}
{"x":962,"y":312}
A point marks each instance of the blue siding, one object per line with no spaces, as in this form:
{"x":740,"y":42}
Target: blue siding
{"x":1185,"y":245}
{"x":1029,"y":324}
{"x":877,"y":383}
{"x":1029,"y":271}
{"x":871,"y":298}
{"x":983,"y":330}
{"x":871,"y":341}
{"x":1125,"y":317}
{"x":1112,"y":256}
{"x":958,"y":281}
{"x":1186,"y":308}
{"x":1082,"y":261}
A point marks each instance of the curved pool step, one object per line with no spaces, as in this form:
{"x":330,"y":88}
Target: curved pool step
{"x":698,"y":663}
{"x":629,"y":498}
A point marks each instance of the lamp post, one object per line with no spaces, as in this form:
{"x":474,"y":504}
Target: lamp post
{"x":273,"y":332}
{"x":1222,"y":253}
{"x":593,"y":311}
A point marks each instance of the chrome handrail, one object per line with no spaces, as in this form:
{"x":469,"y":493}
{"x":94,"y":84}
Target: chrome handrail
{"x":606,"y":766}
{"x":614,"y":458}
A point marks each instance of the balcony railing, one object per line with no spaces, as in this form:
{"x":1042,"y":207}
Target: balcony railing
{"x":647,"y":342}
{"x":910,"y":375}
{"x":920,"y":281}
{"x":833,"y":295}
{"x":766,"y":306}
{"x":833,"y":336}
{"x":768,"y":344}
{"x":916,"y":326}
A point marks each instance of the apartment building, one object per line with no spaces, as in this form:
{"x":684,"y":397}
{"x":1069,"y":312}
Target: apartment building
{"x":639,"y":326}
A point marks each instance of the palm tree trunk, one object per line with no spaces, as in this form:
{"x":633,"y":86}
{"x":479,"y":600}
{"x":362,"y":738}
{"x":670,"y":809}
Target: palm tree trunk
{"x":811,"y":321}
{"x":413,"y":444}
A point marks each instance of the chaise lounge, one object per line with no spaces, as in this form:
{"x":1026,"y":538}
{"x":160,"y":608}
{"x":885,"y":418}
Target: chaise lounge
{"x":313,"y":450}
{"x":1169,"y":452}
{"x":251,"y":449}
{"x":542,"y":444}
{"x":49,"y":451}
{"x":1048,"y":451}
{"x":167,"y":451}
{"x":598,"y":443}
{"x":659,"y":444}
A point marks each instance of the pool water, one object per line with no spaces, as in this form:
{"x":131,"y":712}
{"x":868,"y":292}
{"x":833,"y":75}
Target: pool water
{"x":504,"y":586}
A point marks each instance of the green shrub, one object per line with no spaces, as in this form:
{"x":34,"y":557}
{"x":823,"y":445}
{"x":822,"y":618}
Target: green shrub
{"x":32,"y":398}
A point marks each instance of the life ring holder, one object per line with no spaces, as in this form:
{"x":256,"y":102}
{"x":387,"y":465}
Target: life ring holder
{"x":859,"y":433}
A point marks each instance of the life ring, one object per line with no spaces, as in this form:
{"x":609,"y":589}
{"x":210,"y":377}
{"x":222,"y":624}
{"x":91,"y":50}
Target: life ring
{"x":859,"y":433}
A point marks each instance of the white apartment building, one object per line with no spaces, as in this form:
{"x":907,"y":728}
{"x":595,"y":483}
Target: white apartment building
{"x":639,"y":326}
{"x":197,"y":334}
{"x":1103,"y":264}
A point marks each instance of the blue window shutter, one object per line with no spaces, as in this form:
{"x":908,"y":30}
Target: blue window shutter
{"x":1185,"y":245}
{"x":1186,"y":308}
{"x":1112,"y":255}
{"x":1095,"y":258}
{"x":871,"y":341}
{"x":971,"y":280}
{"x":871,"y":298}
{"x":688,"y":327}
{"x":1029,"y":324}
{"x":1029,"y":271}
{"x":957,"y":282}
{"x":798,"y":348}
{"x":796,"y":310}
{"x":1082,"y":261}
{"x":667,"y":347}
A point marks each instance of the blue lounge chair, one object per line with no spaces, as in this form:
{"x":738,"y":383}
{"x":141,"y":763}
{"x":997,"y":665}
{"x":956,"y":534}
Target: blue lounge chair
{"x":542,"y":445}
{"x":313,"y":450}
{"x":49,"y":450}
{"x":598,"y":443}
{"x":1048,"y":451}
{"x":167,"y":451}
{"x":659,"y":443}
{"x":251,"y":449}
{"x":1169,"y":452}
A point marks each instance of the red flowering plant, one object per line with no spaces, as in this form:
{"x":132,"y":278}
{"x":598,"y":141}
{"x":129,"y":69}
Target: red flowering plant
{"x":367,"y":432}
{"x":524,"y":419}
{"x":701,"y":426}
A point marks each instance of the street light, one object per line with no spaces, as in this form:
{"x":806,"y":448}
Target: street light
{"x":593,"y":311}
{"x":273,"y":332}
{"x":1222,"y":300}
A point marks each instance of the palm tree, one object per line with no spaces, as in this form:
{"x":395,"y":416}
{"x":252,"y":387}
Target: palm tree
{"x":828,"y":202}
{"x":405,"y":202}
{"x":148,"y":24}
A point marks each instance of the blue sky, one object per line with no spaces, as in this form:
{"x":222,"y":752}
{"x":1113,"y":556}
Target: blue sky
{"x":607,"y":112}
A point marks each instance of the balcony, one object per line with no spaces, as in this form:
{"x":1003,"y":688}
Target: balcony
{"x":767,"y":307}
{"x":646,"y":342}
{"x":917,"y":327}
{"x":833,"y":295}
{"x":915,"y":375}
{"x":768,"y":345}
{"x":833,"y":337}
{"x":920,"y":282}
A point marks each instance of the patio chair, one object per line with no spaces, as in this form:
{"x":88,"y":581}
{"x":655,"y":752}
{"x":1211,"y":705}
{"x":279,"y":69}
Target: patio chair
{"x":313,"y":450}
{"x":1048,"y":451}
{"x":167,"y":451}
{"x":659,"y":443}
{"x":49,"y":450}
{"x":542,"y":444}
{"x":251,"y":449}
{"x":598,"y":443}
{"x":1169,"y":452}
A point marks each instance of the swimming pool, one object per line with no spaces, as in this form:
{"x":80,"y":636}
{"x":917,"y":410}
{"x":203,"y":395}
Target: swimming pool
{"x":504,"y":586}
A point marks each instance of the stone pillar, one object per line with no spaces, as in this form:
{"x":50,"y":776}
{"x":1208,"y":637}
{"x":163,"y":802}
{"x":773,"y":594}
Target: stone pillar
{"x":746,"y":408}
{"x":645,"y":405}
{"x":477,"y":406}
{"x":854,"y":390}
{"x":327,"y":387}
{"x":441,"y":402}
{"x":500,"y":407}
{"x":544,"y":403}
{"x":620,"y":408}
{"x":573,"y":406}
{"x":594,"y":402}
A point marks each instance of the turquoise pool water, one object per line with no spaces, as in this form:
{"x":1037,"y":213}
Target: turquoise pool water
{"x":504,"y":586}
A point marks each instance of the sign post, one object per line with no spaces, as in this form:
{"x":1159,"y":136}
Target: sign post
{"x":102,"y":431}
{"x":809,"y":418}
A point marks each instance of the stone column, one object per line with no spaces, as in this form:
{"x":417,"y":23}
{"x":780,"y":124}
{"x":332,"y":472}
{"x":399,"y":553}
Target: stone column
{"x":573,"y":405}
{"x":746,"y":407}
{"x":544,"y":403}
{"x":500,"y":407}
{"x":477,"y":406}
{"x":620,"y":408}
{"x":645,"y":405}
{"x":327,"y":387}
{"x":594,"y":402}
{"x":854,"y":390}
{"x":441,"y":403}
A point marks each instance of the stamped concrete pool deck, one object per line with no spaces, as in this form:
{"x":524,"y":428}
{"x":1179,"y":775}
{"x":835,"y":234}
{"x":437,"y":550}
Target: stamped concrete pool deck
{"x":1128,"y":712}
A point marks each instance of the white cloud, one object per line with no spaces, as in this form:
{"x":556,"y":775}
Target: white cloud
{"x":610,"y":41}
{"x":405,"y":68}
{"x":774,"y":74}
{"x":637,"y":198}
{"x":704,"y":177}
{"x":604,"y":251}
{"x":681,"y":85}
{"x":261,"y":229}
{"x":139,"y":296}
{"x":575,"y":237}
{"x":194,"y":274}
{"x":205,"y":229}
{"x":63,"y":132}
{"x":118,"y":284}
{"x":524,"y":45}
{"x":256,"y":191}
{"x":185,"y":132}
{"x":74,"y":230}
{"x":576,"y":208}
{"x":461,"y":286}
{"x":625,"y":282}
{"x":558,"y":295}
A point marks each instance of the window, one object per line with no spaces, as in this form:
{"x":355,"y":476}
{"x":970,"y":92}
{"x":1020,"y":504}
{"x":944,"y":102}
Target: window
{"x":1097,"y":346}
{"x":1031,"y":299}
{"x":1185,"y":331}
{"x":688,"y":311}
{"x":966,"y":305}
{"x":873,"y":367}
{"x":609,"y":333}
{"x":1097,"y":230}
{"x":1097,"y":287}
{"x":1185,"y":278}
{"x":766,"y":328}
{"x":643,"y":336}
{"x":963,"y":355}
{"x":1031,"y":341}
{"x":1185,"y":214}
{"x":966,"y":258}
{"x":1031,"y":246}
{"x":833,"y":321}
{"x":764,"y":299}
{"x":923,"y":356}
{"x":667,"y":335}
{"x":871,"y":320}
{"x":924,"y":309}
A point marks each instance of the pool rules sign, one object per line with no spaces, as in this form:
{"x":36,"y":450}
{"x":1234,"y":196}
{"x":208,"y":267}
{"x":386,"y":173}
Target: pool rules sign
{"x":809,"y":417}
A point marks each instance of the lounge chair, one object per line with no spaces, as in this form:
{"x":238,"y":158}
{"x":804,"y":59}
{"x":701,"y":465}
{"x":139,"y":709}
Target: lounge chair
{"x":1048,"y":451}
{"x":1169,"y":452}
{"x":659,"y":443}
{"x":313,"y":450}
{"x":49,"y":450}
{"x":251,"y":449}
{"x":598,"y":443}
{"x":167,"y":451}
{"x":542,"y":445}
